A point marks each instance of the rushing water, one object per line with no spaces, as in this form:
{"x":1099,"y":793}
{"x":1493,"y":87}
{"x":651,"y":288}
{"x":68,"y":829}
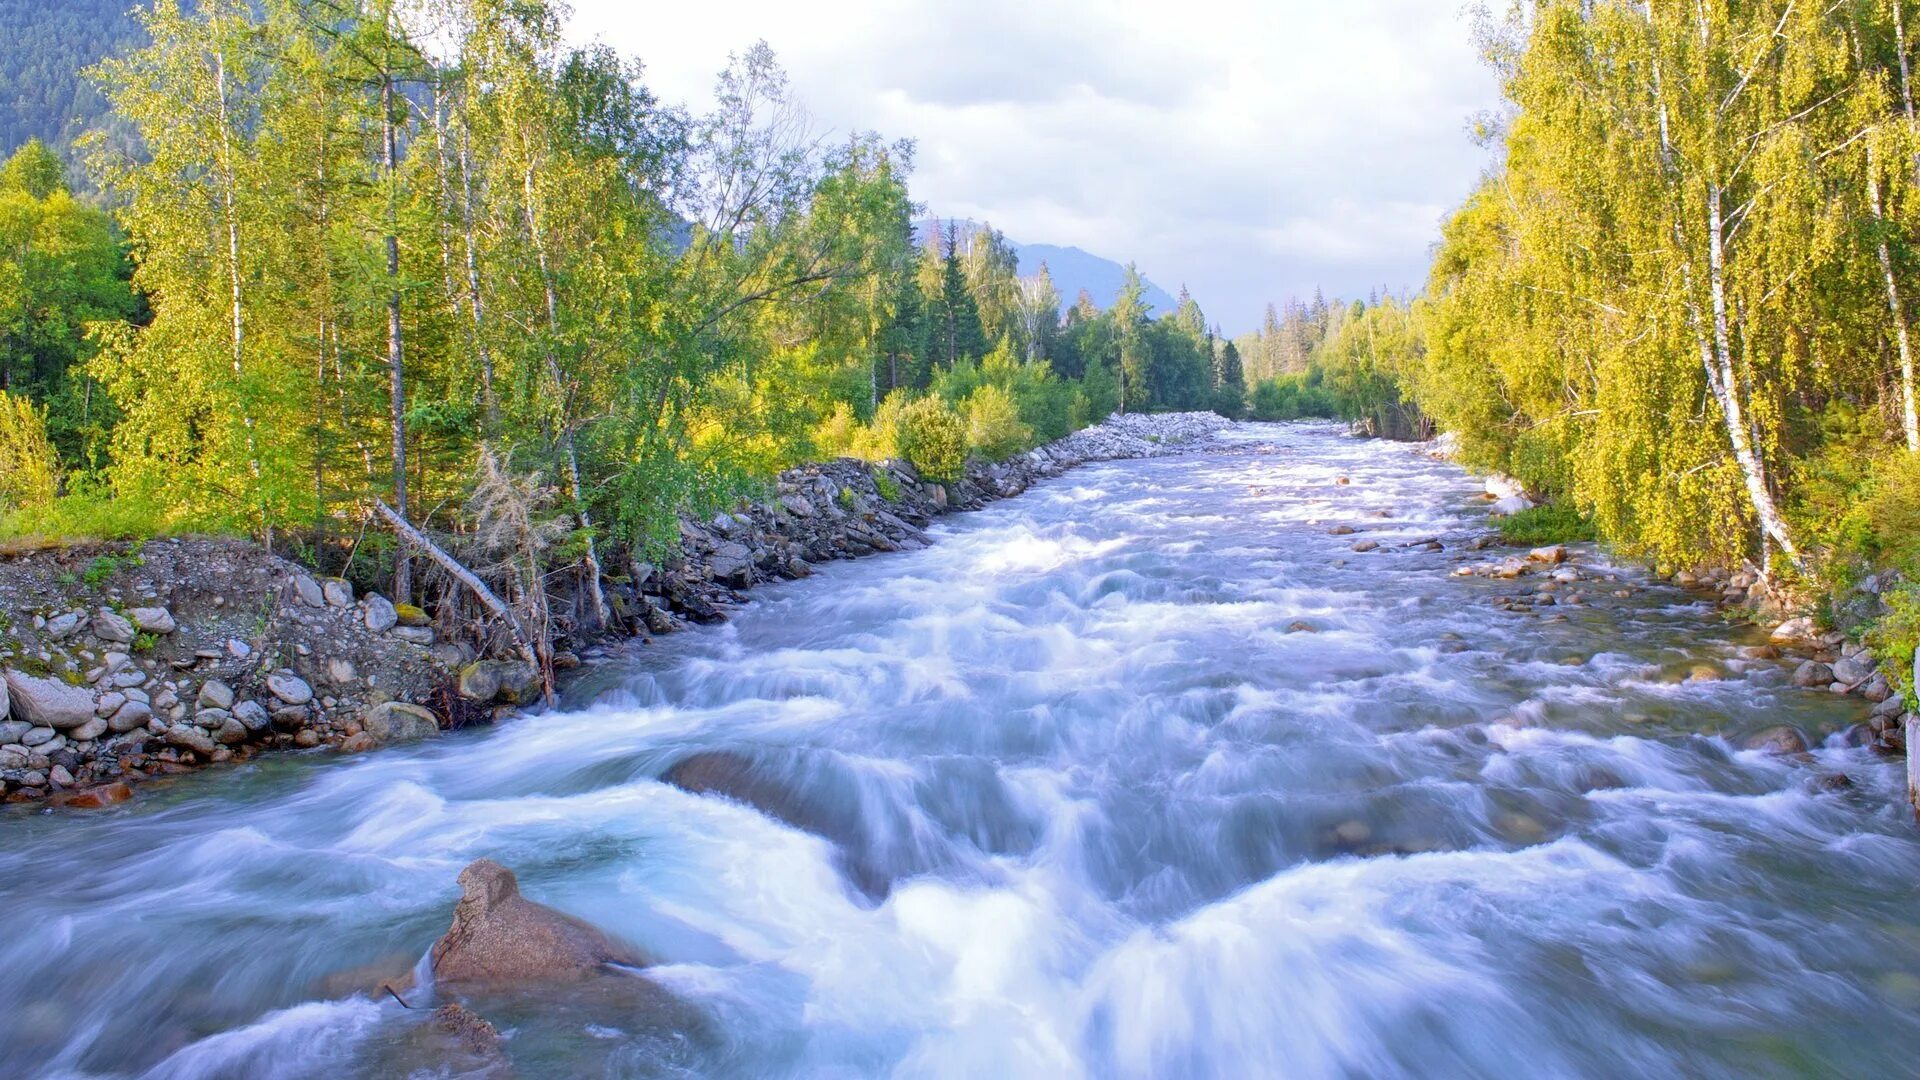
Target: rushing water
{"x":1101,"y":809}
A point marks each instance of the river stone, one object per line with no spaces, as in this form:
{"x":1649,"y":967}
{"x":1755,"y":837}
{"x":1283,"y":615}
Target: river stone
{"x":341,"y":671}
{"x":12,"y":731}
{"x":88,"y":731}
{"x":1854,"y":669}
{"x":308,"y":591}
{"x":95,"y":798}
{"x":38,"y":736}
{"x":500,"y":937}
{"x":380,"y":616}
{"x":1779,"y":739}
{"x":215,"y":694}
{"x":153,"y":620}
{"x":1812,"y":673}
{"x":112,"y":626}
{"x":191,"y":738}
{"x":1552,"y":555}
{"x":290,"y":688}
{"x":413,"y":635}
{"x":61,"y":627}
{"x":510,"y":682}
{"x":134,"y":714}
{"x":397,"y":721}
{"x":48,"y":702}
{"x":252,"y":715}
{"x":6,"y":701}
{"x":338,"y":592}
{"x":231,"y":732}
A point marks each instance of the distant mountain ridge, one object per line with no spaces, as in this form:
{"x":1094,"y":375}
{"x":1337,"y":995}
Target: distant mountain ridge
{"x":1071,"y":268}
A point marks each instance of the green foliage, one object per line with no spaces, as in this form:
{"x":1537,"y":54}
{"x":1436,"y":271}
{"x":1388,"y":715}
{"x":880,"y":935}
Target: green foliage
{"x":994,"y":427}
{"x":933,"y":439}
{"x":886,"y":485}
{"x":29,"y":474}
{"x":1549,"y":524}
{"x":1894,"y":637}
{"x":1295,"y":396}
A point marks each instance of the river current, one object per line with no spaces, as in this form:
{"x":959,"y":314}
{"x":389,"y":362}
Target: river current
{"x":1144,"y":773}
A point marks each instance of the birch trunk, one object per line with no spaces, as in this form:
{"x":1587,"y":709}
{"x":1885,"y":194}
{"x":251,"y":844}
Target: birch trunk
{"x":567,"y":442}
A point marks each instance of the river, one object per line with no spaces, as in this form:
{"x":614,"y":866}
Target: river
{"x":1141,"y":774}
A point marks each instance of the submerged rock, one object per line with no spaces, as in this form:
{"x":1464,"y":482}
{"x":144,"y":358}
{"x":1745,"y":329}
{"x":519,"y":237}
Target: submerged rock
{"x":501,"y":937}
{"x":1780,"y":739}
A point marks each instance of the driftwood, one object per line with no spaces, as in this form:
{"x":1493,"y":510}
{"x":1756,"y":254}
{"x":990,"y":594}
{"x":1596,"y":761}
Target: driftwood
{"x":521,"y":642}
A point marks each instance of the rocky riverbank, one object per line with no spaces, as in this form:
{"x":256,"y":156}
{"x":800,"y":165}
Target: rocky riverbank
{"x":1827,"y":660}
{"x":120,"y":662}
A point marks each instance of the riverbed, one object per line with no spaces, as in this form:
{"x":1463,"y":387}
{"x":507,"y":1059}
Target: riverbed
{"x":1144,"y":773}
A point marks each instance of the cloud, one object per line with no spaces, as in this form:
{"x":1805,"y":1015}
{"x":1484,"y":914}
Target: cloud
{"x":1250,"y":150}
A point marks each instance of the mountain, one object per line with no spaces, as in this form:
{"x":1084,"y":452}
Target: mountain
{"x":1071,"y":268}
{"x":49,"y":42}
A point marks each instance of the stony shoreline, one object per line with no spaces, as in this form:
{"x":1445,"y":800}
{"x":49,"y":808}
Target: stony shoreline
{"x":122,"y":662}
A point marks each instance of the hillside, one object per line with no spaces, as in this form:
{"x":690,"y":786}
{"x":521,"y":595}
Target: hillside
{"x":42,"y":94}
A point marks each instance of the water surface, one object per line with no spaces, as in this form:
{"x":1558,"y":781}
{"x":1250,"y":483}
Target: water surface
{"x":1142,"y":774}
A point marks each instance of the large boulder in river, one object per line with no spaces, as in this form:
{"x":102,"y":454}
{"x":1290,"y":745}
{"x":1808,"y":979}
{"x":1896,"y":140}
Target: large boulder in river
{"x":513,"y":682}
{"x":48,"y":702}
{"x":397,"y":721}
{"x":501,"y":937}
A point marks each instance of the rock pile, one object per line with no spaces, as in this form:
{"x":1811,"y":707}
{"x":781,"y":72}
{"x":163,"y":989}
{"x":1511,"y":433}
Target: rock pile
{"x":120,"y":663}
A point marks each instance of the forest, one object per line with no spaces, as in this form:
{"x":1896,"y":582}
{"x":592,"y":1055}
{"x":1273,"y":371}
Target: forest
{"x":331,"y":253}
{"x":334,"y":255}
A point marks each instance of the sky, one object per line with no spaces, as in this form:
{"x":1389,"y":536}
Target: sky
{"x":1249,"y":150}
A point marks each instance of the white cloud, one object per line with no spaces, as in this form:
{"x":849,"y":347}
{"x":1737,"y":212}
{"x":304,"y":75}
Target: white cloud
{"x":1251,"y":150}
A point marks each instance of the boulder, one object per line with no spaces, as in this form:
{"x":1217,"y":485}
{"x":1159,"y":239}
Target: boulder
{"x":88,"y":731}
{"x":191,"y":738}
{"x":410,"y":615}
{"x":252,"y":715}
{"x":397,"y":721}
{"x":95,"y":798}
{"x":112,"y":626}
{"x":290,"y":688}
{"x":499,"y":937}
{"x":133,"y":714}
{"x":1794,"y":631}
{"x":509,"y":682}
{"x":308,"y":591}
{"x":1812,"y":673}
{"x":231,"y":732}
{"x":337,"y":591}
{"x":1512,"y":504}
{"x":1853,"y":670}
{"x":415,"y":635}
{"x":1779,"y":739}
{"x":215,"y":694}
{"x":380,"y":615}
{"x":12,"y":731}
{"x":1551,"y":555}
{"x":48,"y":702}
{"x":153,"y":620}
{"x":61,"y":627}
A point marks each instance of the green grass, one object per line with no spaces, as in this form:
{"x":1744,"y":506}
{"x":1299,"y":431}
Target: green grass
{"x":1545,"y":525}
{"x":885,"y":485}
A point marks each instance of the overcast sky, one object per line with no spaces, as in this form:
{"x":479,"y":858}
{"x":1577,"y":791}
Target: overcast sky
{"x":1251,"y":150}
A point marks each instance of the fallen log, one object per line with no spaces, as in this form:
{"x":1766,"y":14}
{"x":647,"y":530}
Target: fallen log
{"x":491,"y":601}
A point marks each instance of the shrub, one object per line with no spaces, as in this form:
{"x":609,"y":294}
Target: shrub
{"x":883,"y":483}
{"x":994,"y":427}
{"x":880,"y":440}
{"x":1553,"y":524}
{"x":836,"y":435}
{"x":933,"y":439}
{"x":29,"y":472}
